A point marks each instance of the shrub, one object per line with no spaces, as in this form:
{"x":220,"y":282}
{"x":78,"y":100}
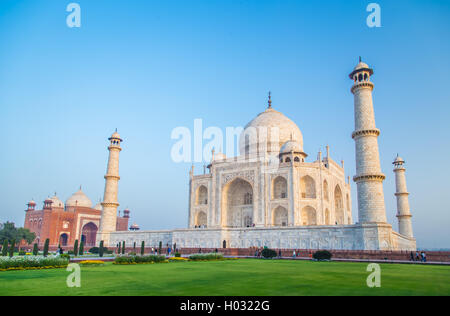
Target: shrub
{"x":143,"y":248}
{"x":81,"y":251}
{"x":35,"y":250}
{"x":322,"y":255}
{"x":100,"y":249}
{"x":139,"y":259}
{"x":123,"y":247}
{"x":47,"y":241}
{"x":177,"y":255}
{"x":5,"y":248}
{"x":160,"y":247}
{"x":75,"y":248}
{"x":11,"y":249}
{"x":65,"y":256}
{"x":22,"y":253}
{"x":94,"y":250}
{"x":119,"y":251}
{"x":206,"y":256}
{"x":268,"y":253}
{"x":29,"y":262}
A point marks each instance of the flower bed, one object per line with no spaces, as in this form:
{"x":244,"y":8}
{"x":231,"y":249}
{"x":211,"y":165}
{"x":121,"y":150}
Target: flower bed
{"x":178,"y":259}
{"x":91,"y":263}
{"x":206,"y":256}
{"x":32,"y":262}
{"x":139,"y":259}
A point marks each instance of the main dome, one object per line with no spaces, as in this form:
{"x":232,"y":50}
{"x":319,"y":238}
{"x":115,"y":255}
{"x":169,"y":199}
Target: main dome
{"x":79,"y":199}
{"x":268,"y":132}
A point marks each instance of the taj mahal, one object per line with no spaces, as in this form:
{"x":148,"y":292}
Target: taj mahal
{"x":272,"y":195}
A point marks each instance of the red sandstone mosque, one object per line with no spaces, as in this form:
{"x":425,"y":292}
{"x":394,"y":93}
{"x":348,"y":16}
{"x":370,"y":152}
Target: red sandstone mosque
{"x":63,"y":223}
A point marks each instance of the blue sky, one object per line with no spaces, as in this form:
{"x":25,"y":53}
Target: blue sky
{"x":146,"y":67}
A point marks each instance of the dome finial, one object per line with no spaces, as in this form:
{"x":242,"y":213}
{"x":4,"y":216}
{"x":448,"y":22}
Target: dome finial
{"x":270,"y":100}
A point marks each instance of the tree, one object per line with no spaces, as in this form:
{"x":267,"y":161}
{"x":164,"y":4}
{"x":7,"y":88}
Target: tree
{"x":123,"y":247}
{"x":101,"y":249}
{"x":11,"y":249}
{"x":120,"y":248}
{"x":35,"y":250}
{"x":142,"y":248}
{"x":134,"y":247}
{"x":47,"y":242}
{"x":81,"y":248}
{"x":75,"y":248}
{"x":5,"y":248}
{"x":160,"y":247}
{"x":10,"y":232}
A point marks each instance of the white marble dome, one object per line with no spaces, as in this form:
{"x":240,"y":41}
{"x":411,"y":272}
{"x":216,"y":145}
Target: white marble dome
{"x":98,"y":206}
{"x":79,"y":199}
{"x":268,"y":122}
{"x":290,"y":146}
{"x":57,"y":202}
{"x":220,"y":156}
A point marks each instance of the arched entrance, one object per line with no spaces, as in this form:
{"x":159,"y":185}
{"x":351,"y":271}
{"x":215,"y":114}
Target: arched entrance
{"x":89,"y":234}
{"x":280,"y":216}
{"x":63,"y":239}
{"x":237,"y":203}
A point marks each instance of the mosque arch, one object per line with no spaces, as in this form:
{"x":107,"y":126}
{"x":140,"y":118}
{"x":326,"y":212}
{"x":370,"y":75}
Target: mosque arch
{"x":63,"y":239}
{"x":309,"y":216}
{"x":201,"y":219}
{"x":201,"y":195}
{"x":308,"y":187}
{"x":279,"y":188}
{"x":89,"y":234}
{"x":280,"y":216}
{"x":339,"y":205}
{"x":237,"y":203}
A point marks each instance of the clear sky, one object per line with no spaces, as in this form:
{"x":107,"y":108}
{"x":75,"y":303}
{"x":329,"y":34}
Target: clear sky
{"x":147,"y":67}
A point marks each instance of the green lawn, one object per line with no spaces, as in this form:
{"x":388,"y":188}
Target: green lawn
{"x":232,"y":277}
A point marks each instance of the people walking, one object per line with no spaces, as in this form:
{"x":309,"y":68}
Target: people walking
{"x":294,"y":254}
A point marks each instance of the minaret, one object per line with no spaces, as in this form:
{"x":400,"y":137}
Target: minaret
{"x":369,"y":178}
{"x":403,"y":212}
{"x":110,"y":204}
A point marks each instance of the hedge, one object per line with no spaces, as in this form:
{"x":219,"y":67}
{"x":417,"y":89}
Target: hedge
{"x":206,"y":256}
{"x":139,"y":259}
{"x":24,"y":262}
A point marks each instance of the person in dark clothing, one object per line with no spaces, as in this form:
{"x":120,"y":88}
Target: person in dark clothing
{"x":412,"y":256}
{"x":279,"y":253}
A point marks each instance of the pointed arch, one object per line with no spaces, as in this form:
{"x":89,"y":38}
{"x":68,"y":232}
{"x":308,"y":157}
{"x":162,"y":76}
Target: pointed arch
{"x":279,"y":188}
{"x":327,"y":217}
{"x":237,"y":204}
{"x":201,"y":195}
{"x":280,"y":216}
{"x":308,"y":187}
{"x":325,"y":191}
{"x":201,"y":219}
{"x":309,"y":216}
{"x":339,"y":205}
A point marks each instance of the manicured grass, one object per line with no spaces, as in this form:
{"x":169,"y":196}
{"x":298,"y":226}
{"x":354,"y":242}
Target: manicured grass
{"x":232,"y":277}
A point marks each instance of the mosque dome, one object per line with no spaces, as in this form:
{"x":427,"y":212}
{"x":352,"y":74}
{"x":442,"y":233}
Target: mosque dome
{"x":266,"y":123}
{"x":57,"y":202}
{"x":79,"y":199}
{"x":290,"y":146}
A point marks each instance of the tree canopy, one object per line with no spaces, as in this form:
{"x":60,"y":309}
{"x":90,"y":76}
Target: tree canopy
{"x":9,"y":232}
